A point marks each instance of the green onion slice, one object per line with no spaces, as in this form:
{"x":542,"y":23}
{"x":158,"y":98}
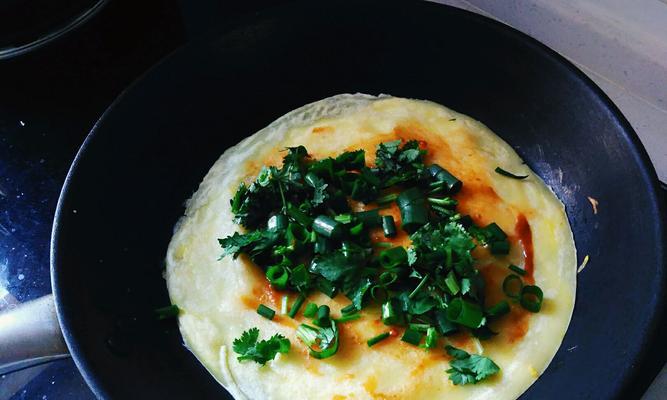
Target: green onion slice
{"x":327,"y":227}
{"x":278,"y":276}
{"x":411,"y":336}
{"x":452,"y":283}
{"x":377,"y":339}
{"x":388,"y":226}
{"x":465,"y":313}
{"x":310,"y":310}
{"x":393,"y":258}
{"x":297,"y":304}
{"x":348,"y":318}
{"x":517,"y":270}
{"x":265,"y":311}
{"x":499,"y":309}
{"x":509,"y":174}
{"x":412,"y":206}
{"x":512,"y":286}
{"x":531,"y":298}
{"x":431,"y":338}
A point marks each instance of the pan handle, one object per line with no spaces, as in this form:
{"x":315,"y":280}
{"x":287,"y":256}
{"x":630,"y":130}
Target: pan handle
{"x":30,"y":335}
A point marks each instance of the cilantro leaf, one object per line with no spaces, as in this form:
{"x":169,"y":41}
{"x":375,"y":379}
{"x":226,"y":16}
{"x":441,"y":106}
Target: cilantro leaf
{"x":236,"y":243}
{"x":412,"y":256}
{"x":261,"y":352}
{"x":352,"y":159}
{"x":320,"y":194}
{"x":337,"y":266}
{"x":469,"y":368}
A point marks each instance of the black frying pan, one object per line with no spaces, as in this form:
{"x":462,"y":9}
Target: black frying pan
{"x":148,"y":152}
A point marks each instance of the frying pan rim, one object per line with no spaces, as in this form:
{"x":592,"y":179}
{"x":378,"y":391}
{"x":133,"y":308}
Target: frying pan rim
{"x":628,"y":133}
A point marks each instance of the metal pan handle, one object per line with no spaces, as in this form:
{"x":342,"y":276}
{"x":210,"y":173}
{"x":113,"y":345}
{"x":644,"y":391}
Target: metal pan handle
{"x":30,"y":335}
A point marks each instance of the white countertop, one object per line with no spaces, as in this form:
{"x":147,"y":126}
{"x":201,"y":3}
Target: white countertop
{"x":619,"y":44}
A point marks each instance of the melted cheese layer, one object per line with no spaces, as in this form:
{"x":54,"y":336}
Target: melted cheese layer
{"x":218,"y":298}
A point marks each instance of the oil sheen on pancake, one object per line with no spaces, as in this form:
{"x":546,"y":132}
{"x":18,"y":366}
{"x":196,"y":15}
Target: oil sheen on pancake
{"x":218,"y":297}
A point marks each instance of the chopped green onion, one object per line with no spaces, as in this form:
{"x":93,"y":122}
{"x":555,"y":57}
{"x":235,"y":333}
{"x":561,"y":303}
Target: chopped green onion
{"x":499,"y":309}
{"x":307,"y":334}
{"x":283,"y":304}
{"x":465,"y":313}
{"x":383,"y":245}
{"x":377,"y":339}
{"x":356,"y":230}
{"x":297,"y":235}
{"x":310,"y":310}
{"x":265,"y":311}
{"x":495,"y":232}
{"x":516,"y":269}
{"x":419,"y":287}
{"x":348,"y":318}
{"x":444,"y":202}
{"x":370,"y":218}
{"x":348,"y":309}
{"x":393,"y":258}
{"x":443,"y":178}
{"x":300,"y":278}
{"x":512,"y":286}
{"x":414,"y":212}
{"x":277,"y":222}
{"x":386,"y":198}
{"x":323,"y":245}
{"x":370,"y":177}
{"x":391,"y":315}
{"x":509,"y":174}
{"x":387,"y":278}
{"x":501,"y":247}
{"x":298,"y":215}
{"x":411,"y":336}
{"x":445,"y":326}
{"x":277,"y":276}
{"x":531,"y":298}
{"x":327,"y":227}
{"x":419,"y":327}
{"x":431,"y":338}
{"x":167,"y":312}
{"x":322,"y":318}
{"x":452,"y":283}
{"x":388,"y":226}
{"x":327,"y":287}
{"x":343,"y":218}
{"x":297,"y":304}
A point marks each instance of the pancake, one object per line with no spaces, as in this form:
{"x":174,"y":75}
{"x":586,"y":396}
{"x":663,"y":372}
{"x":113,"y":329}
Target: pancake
{"x":218,"y":298}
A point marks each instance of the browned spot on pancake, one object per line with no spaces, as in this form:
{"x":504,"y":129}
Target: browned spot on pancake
{"x":370,"y":386}
{"x":515,"y":325}
{"x":323,"y":129}
{"x":338,"y":397}
{"x":525,"y":237}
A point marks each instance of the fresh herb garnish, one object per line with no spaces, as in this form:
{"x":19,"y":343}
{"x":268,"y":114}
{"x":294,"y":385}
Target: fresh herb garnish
{"x":469,"y":368}
{"x":509,"y":174}
{"x":303,"y":233}
{"x":322,"y":342}
{"x":249,"y":348}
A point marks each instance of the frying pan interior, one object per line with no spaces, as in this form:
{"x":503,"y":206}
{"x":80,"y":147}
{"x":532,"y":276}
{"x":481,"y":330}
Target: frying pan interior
{"x":150,"y":150}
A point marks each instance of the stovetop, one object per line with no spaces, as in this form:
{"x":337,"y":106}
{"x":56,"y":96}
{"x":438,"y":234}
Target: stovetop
{"x":49,"y":100}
